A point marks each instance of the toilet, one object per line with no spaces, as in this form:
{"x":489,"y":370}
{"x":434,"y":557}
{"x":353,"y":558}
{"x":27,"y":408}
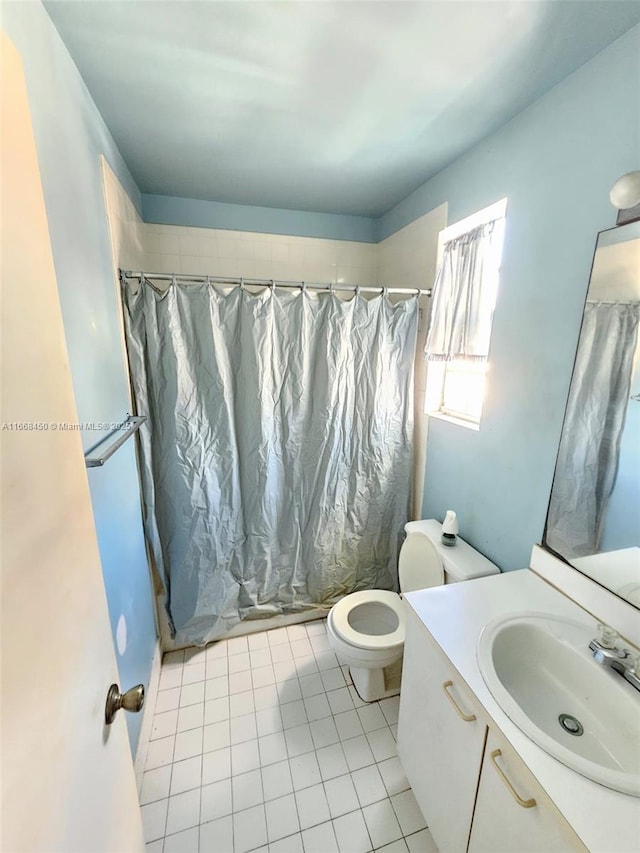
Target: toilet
{"x":366,"y":628}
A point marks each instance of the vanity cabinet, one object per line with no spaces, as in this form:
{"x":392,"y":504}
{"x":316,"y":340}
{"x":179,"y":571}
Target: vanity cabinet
{"x":441,"y":737}
{"x":475,"y":793}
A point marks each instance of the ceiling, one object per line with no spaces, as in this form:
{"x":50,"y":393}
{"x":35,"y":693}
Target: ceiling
{"x":341,"y":107}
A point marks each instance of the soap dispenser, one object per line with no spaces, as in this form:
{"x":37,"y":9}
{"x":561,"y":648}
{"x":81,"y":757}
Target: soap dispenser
{"x":449,"y":528}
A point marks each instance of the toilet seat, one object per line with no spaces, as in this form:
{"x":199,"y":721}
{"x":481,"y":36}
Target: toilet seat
{"x":341,"y":611}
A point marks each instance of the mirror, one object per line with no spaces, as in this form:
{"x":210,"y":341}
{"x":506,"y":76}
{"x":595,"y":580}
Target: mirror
{"x":593,"y":521}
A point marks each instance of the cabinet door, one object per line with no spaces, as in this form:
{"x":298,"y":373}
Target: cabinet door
{"x":440,"y":739}
{"x":512,"y":810}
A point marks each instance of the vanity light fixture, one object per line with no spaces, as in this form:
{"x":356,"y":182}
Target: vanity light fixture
{"x":625,"y":193}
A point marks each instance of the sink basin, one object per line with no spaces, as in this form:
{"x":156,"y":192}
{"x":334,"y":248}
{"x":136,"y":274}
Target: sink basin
{"x":540,"y":671}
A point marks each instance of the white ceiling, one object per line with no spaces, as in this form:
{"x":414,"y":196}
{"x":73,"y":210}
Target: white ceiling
{"x":342,"y":107}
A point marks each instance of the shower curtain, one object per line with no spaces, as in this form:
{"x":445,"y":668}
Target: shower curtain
{"x":276,"y":461}
{"x":590,"y":445}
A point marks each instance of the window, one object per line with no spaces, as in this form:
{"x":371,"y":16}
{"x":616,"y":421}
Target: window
{"x":465,"y":291}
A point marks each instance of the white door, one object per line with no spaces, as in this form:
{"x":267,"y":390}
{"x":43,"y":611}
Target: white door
{"x":67,"y":779}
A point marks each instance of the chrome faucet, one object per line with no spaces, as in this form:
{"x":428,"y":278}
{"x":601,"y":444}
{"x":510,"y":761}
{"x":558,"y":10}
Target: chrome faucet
{"x":621,"y":660}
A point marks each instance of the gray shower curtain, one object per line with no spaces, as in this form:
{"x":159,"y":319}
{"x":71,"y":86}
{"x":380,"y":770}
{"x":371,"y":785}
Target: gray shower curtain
{"x":277,"y":458}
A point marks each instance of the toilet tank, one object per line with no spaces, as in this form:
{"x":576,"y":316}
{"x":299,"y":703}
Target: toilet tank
{"x":461,"y":562}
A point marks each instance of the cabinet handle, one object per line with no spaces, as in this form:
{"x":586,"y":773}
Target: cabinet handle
{"x":468,"y":718}
{"x":526,"y":804}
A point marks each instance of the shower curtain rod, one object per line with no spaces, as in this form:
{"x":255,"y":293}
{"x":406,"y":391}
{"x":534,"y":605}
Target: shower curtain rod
{"x":237,"y":281}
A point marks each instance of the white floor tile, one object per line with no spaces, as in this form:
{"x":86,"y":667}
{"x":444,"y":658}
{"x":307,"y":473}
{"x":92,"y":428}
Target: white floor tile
{"x":247,"y":790}
{"x":324,"y":732}
{"x":239,"y":663}
{"x":217,"y":836}
{"x":340,"y":700}
{"x":216,"y":735}
{"x":245,"y":757}
{"x":311,"y":685}
{"x":192,"y":694}
{"x":289,"y":691}
{"x":154,"y":818}
{"x":341,"y":795}
{"x":333,"y":679}
{"x":186,"y":841}
{"x":304,"y":771}
{"x":263,"y":676}
{"x":260,"y":657}
{"x":186,"y":775}
{"x":269,"y":721}
{"x":393,"y":776}
{"x":216,"y":651}
{"x":237,"y":645}
{"x":276,"y":780}
{"x":258,"y":641}
{"x":216,"y":766}
{"x":194,"y":656}
{"x":293,"y":714}
{"x":298,"y":740}
{"x":277,"y":636}
{"x":249,"y":829}
{"x":332,"y":761}
{"x":317,"y":628}
{"x":408,"y":813}
{"x":281,"y":653}
{"x":320,"y":644}
{"x":398,"y":846}
{"x":160,"y":752}
{"x":351,"y":833}
{"x":381,"y":823}
{"x":273,"y":748}
{"x":167,"y":700}
{"x":215,"y":800}
{"x":240,"y":682}
{"x":216,"y":688}
{"x":216,"y":710}
{"x":184,"y":811}
{"x":391,"y":708}
{"x":372,"y":717}
{"x":218,"y":668}
{"x":326,"y":660}
{"x":357,"y":752}
{"x":170,"y":678}
{"x":349,"y":725}
{"x":312,"y":806}
{"x":421,"y":842}
{"x":154,"y":846}
{"x":320,"y":839}
{"x":282,"y":818}
{"x":164,"y":724}
{"x":317,"y":707}
{"x":296,"y":632}
{"x":266,"y":697}
{"x":241,"y":703}
{"x":355,"y":698}
{"x":155,"y":785}
{"x":382,"y":744}
{"x":306,"y":665}
{"x":171,"y":659}
{"x":369,"y":785}
{"x":191,"y":717}
{"x":291,"y":844}
{"x":194,"y":673}
{"x":243,"y":728}
{"x":301,"y":648}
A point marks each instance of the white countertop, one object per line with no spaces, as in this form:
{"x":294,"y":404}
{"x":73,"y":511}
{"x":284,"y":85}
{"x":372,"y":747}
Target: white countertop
{"x":605,"y":820}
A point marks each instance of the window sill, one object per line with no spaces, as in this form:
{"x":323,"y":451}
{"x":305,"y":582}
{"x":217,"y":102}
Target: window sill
{"x":473,"y":425}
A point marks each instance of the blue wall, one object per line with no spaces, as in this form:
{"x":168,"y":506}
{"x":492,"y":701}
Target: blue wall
{"x":167,"y":210}
{"x":556,"y":162}
{"x":70,"y":137}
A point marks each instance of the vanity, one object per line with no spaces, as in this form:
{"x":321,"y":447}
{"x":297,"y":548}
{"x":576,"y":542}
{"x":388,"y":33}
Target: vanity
{"x":481,"y":782}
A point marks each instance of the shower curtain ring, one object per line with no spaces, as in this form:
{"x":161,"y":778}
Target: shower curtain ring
{"x":304,"y":287}
{"x":357,"y":290}
{"x":385,"y":292}
{"x":241,"y":283}
{"x":332,"y":288}
{"x":173,"y":281}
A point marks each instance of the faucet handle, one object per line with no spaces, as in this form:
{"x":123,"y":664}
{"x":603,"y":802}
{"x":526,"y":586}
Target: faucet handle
{"x":607,"y":636}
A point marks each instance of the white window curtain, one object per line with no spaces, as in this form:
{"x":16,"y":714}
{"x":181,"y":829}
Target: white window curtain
{"x":464,"y":298}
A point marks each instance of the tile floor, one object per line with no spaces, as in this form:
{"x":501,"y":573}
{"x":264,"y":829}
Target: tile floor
{"x":261,"y":743}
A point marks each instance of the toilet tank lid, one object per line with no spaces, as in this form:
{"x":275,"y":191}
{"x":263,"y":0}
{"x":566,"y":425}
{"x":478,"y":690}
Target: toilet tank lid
{"x":461,"y":561}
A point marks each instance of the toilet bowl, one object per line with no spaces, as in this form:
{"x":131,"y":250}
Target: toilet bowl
{"x":366,"y":629}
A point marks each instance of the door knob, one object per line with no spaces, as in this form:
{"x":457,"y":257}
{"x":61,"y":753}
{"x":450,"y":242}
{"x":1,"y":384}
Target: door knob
{"x":132,"y":700}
